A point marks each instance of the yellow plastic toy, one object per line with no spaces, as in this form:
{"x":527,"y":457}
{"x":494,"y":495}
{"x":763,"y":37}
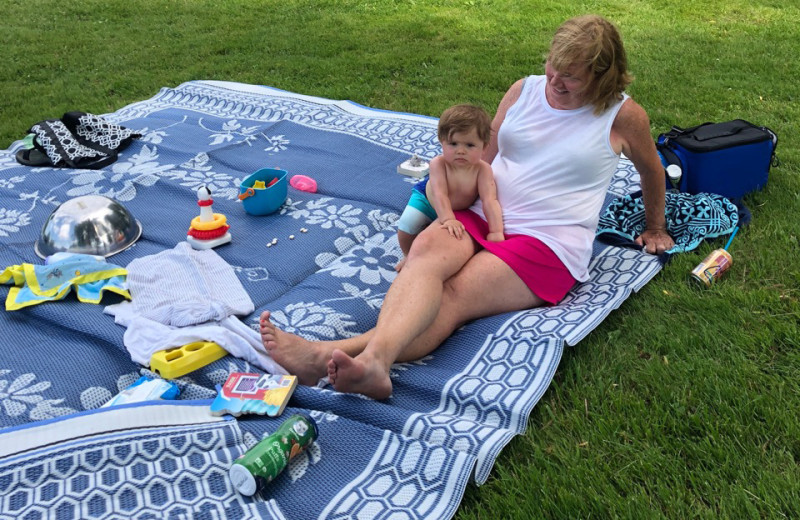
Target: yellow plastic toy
{"x":180,"y":361}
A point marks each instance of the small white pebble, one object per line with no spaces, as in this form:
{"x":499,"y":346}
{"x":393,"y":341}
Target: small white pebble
{"x":274,"y":241}
{"x":291,"y":237}
{"x":269,"y":244}
{"x":303,"y":230}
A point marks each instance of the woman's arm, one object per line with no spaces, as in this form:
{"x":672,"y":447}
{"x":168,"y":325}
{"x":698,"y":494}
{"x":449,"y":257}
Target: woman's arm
{"x":487,"y":191}
{"x":507,"y":102}
{"x":630,"y":133}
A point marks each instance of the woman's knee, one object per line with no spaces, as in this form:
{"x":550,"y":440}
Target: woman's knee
{"x":423,"y":244}
{"x":436,"y":243}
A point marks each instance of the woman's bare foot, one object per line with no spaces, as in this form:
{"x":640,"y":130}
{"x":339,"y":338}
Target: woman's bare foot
{"x":305,"y":359}
{"x":359,"y":375}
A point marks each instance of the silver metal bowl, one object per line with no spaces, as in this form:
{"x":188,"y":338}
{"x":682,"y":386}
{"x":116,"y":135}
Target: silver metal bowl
{"x":90,"y":224}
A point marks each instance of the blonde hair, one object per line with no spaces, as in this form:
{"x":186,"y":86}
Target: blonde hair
{"x":463,"y":118}
{"x":593,"y":41}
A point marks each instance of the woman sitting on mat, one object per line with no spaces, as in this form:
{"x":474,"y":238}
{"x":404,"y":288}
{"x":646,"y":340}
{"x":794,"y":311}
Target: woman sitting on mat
{"x":555,"y":145}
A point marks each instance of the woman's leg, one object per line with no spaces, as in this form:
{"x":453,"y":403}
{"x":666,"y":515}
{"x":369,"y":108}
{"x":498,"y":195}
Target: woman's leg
{"x":413,"y":300}
{"x":484,"y":286}
{"x":308,"y":360}
{"x":409,"y":307}
{"x":405,"y":240}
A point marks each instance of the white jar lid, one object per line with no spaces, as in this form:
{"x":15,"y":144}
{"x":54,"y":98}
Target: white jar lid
{"x":243,"y":481}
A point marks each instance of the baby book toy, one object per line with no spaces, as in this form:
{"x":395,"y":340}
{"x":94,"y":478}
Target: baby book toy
{"x":254,"y":393}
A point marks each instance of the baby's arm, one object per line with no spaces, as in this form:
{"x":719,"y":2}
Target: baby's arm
{"x":439,"y":197}
{"x":487,"y":190}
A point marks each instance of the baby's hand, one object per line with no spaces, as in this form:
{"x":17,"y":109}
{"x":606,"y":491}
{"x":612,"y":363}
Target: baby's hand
{"x":497,"y":236}
{"x":454,"y":227}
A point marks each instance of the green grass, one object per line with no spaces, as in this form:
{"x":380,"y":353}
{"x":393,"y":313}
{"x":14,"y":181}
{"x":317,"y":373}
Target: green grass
{"x":684,"y":402}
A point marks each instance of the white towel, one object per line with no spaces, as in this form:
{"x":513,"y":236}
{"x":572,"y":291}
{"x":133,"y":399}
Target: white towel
{"x":144,"y":337}
{"x":184,"y":286}
{"x":183,"y":295}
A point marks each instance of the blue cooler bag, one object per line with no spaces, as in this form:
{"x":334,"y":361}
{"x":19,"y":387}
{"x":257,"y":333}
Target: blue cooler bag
{"x":730,"y":159}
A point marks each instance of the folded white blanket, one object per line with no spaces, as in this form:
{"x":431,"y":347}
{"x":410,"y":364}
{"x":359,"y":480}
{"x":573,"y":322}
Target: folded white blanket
{"x":183,"y":286}
{"x":182,"y":295}
{"x":144,"y":337}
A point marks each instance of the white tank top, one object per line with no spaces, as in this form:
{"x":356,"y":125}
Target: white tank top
{"x":552,"y":171}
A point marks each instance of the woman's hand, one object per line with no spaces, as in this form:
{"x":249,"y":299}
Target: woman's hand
{"x":495,"y":237}
{"x":454,"y":227}
{"x":655,"y":241}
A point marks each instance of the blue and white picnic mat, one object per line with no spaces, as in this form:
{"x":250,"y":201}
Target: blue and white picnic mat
{"x":411,"y":456}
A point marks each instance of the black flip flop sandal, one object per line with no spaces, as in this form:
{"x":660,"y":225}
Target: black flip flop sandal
{"x":33,"y":157}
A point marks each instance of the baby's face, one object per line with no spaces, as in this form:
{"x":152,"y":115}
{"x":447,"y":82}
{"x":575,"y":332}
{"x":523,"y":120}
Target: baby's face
{"x":462,"y":148}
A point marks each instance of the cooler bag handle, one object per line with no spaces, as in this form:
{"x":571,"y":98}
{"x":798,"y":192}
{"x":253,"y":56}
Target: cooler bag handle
{"x":709,"y":130}
{"x":677,"y":131}
{"x":704,"y":133}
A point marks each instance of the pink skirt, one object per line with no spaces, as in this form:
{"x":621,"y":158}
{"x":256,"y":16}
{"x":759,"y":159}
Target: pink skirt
{"x":535,"y":263}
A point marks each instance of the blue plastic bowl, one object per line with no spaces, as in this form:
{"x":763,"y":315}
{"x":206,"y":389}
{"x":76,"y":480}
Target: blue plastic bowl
{"x":263,"y":201}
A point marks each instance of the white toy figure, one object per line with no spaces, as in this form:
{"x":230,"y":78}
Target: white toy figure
{"x":209,"y":229}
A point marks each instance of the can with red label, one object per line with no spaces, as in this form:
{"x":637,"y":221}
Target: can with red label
{"x":712,"y":267}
